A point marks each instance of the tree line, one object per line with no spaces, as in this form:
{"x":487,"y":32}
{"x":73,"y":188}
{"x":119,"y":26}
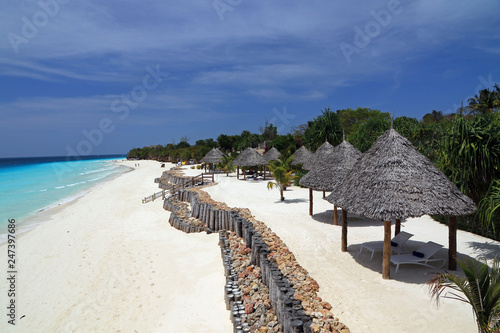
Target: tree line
{"x":464,"y":145}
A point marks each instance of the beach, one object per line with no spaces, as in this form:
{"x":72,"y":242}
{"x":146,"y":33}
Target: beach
{"x":108,"y":263}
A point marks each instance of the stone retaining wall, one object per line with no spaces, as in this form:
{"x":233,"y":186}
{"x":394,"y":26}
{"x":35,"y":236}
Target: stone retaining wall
{"x":291,"y":291}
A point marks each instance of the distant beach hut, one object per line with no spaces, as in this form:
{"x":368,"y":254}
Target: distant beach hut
{"x":248,"y":157}
{"x":301,"y":156}
{"x":392,"y":180}
{"x":214,"y":156}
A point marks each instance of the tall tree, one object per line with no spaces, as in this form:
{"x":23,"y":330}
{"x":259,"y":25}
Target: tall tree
{"x":225,"y":141}
{"x":370,"y":130}
{"x":486,"y":102}
{"x":268,"y":132}
{"x":325,"y":127}
{"x":352,"y":119}
{"x":471,"y":153}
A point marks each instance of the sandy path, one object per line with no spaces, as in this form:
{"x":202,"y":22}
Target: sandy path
{"x":108,"y":263}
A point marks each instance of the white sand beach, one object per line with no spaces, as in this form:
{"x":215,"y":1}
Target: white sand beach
{"x":108,"y":263}
{"x":350,"y":282}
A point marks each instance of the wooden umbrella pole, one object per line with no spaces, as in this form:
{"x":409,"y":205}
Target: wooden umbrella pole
{"x":324,"y":194}
{"x":386,"y":265}
{"x":397,"y":228}
{"x":335,"y":217}
{"x":452,"y":235}
{"x":344,"y":230}
{"x":310,"y":201}
{"x":238,"y":172}
{"x":244,"y":174}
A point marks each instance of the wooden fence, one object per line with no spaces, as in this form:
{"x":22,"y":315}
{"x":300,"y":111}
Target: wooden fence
{"x":154,"y":196}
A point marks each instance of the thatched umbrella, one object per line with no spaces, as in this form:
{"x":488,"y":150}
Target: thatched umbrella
{"x":321,"y":154}
{"x":328,"y":173}
{"x":301,"y":156}
{"x":272,"y":154}
{"x":248,"y":157}
{"x":392,"y":180}
{"x":214,"y":156}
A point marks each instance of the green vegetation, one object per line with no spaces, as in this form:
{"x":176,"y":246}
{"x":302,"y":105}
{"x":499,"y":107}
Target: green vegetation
{"x":227,"y":165}
{"x":465,"y":146}
{"x":282,"y":175}
{"x":480,"y":288}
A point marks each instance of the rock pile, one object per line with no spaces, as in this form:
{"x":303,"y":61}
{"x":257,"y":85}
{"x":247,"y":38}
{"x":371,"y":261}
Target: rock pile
{"x":284,"y":297}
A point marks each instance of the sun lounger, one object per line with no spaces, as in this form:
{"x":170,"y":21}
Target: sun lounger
{"x":396,"y":244}
{"x":422,"y":256}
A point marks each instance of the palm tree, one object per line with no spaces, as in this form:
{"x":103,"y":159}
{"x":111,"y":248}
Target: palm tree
{"x":227,"y":165}
{"x":282,"y":174}
{"x":486,"y":102}
{"x":325,"y":127}
{"x":480,"y":288}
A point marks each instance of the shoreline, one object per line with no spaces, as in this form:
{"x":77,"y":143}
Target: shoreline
{"x":32,"y":220}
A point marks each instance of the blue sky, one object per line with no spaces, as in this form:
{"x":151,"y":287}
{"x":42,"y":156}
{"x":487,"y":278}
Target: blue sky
{"x":99,"y":77}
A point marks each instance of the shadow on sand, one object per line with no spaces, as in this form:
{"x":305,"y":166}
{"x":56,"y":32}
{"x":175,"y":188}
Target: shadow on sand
{"x":407,"y":273}
{"x":290,"y":201}
{"x":486,"y":250}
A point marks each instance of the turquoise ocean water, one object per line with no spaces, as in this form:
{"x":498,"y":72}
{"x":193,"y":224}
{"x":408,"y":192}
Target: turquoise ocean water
{"x":30,"y":185}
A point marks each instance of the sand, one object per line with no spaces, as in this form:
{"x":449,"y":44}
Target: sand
{"x":108,"y":263}
{"x":351,"y":282}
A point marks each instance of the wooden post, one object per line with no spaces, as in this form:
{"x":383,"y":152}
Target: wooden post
{"x":335,"y":217}
{"x":310,"y":201}
{"x":238,"y":172}
{"x":265,"y":172}
{"x":244,"y":174}
{"x":324,"y":195}
{"x":452,"y":238}
{"x":212,"y":177}
{"x":386,"y":264}
{"x":344,"y":230}
{"x":397,"y":228}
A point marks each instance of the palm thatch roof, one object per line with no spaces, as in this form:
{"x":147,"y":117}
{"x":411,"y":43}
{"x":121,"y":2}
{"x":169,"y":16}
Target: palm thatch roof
{"x":249,"y":157}
{"x":328,"y":174}
{"x":393,"y":180}
{"x":272,"y":154}
{"x":302,"y":155}
{"x":320,"y":154}
{"x":213,"y":156}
